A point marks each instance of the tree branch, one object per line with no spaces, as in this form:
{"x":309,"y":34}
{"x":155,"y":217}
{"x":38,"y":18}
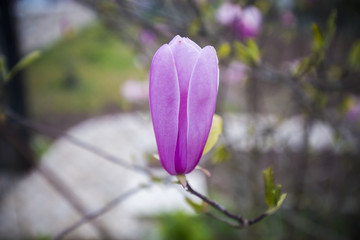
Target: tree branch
{"x":70,"y":196}
{"x":47,"y":130}
{"x":91,"y":216}
{"x":242,"y":222}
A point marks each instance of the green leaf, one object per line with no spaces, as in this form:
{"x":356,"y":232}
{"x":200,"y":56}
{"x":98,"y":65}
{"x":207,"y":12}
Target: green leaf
{"x":346,"y":104}
{"x":277,"y":205}
{"x":253,"y":51}
{"x":224,"y":50}
{"x":354,"y":56}
{"x":43,"y":237}
{"x":221,"y":154}
{"x":3,"y":71}
{"x":194,"y":27}
{"x":40,"y":144}
{"x":303,"y":65}
{"x":249,"y":53}
{"x":331,"y":27}
{"x":277,"y":193}
{"x":318,"y":41}
{"x":182,"y":180}
{"x":322,"y":41}
{"x":198,"y":208}
{"x":273,"y":196}
{"x":24,"y":62}
{"x":215,"y":131}
{"x":241,"y":52}
{"x":268,"y":175}
{"x":156,"y":179}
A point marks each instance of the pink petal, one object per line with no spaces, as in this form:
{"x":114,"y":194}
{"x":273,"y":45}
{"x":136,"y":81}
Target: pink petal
{"x":175,"y":39}
{"x":250,"y":22}
{"x":201,"y":104}
{"x":185,"y":54}
{"x":193,"y":44}
{"x":164,"y":99}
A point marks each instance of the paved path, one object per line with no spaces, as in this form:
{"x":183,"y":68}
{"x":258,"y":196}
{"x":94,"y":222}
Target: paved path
{"x":33,"y":207}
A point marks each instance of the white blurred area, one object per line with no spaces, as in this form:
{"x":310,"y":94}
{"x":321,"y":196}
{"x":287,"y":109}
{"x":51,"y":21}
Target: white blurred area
{"x":41,"y":22}
{"x":34,"y":207}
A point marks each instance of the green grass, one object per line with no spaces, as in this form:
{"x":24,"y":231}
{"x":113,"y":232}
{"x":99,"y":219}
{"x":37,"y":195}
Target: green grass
{"x":81,"y":74}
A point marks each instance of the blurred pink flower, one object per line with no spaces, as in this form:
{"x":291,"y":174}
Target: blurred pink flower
{"x":288,"y":19}
{"x":353,"y":115}
{"x":235,"y":73}
{"x":249,"y":24}
{"x":228,"y":13}
{"x":147,"y":37}
{"x":135,"y":91}
{"x":246,"y":23}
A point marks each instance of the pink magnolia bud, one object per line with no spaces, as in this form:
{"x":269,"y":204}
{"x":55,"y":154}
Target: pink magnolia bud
{"x":184,"y":80}
{"x":228,"y":13}
{"x":250,"y":22}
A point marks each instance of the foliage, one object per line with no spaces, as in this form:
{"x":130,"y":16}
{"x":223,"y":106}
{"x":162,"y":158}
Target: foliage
{"x":310,"y":67}
{"x":215,"y":131}
{"x":273,"y":196}
{"x":179,"y":226}
{"x":97,"y":72}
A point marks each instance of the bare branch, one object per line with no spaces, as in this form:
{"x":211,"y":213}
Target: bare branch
{"x":91,"y":216}
{"x":48,"y":130}
{"x":242,"y":222}
{"x":70,"y":196}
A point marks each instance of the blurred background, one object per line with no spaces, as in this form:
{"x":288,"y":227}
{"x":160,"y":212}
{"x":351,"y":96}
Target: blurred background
{"x":76,"y":133}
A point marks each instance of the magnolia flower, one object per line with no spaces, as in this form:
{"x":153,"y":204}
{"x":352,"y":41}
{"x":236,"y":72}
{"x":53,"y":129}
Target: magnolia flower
{"x":184,"y":80}
{"x":250,"y":22}
{"x":245,"y":23}
{"x":228,"y":13}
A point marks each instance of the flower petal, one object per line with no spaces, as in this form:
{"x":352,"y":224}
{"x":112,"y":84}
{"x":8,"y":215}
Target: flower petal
{"x":193,"y":44}
{"x":201,"y":104}
{"x":185,"y":55}
{"x":164,"y":99}
{"x":175,"y":39}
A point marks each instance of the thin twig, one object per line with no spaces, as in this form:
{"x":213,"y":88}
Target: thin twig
{"x":48,"y":130}
{"x":70,"y":196}
{"x":242,"y":222}
{"x":52,"y":179}
{"x":217,"y":206}
{"x":91,"y":216}
{"x":226,"y":221}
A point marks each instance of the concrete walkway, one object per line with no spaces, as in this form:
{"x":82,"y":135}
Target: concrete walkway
{"x":33,"y":207}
